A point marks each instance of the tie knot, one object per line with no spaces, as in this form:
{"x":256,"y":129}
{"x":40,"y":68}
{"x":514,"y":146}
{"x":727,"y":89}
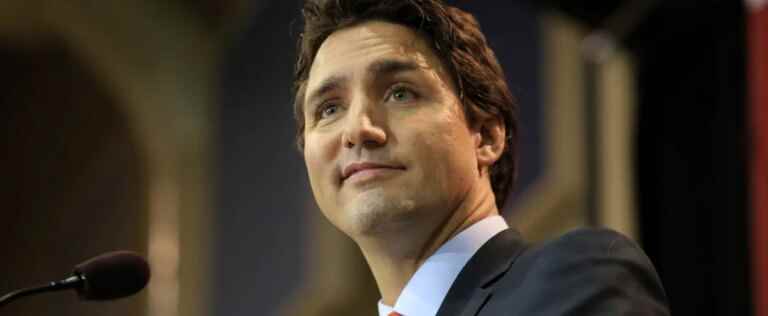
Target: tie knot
{"x":394,"y":314}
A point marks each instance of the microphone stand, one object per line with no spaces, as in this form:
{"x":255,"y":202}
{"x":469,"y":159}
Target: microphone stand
{"x":68,"y":283}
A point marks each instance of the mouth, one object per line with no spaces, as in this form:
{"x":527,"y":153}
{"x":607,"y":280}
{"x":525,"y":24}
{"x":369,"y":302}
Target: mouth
{"x":366,"y":169}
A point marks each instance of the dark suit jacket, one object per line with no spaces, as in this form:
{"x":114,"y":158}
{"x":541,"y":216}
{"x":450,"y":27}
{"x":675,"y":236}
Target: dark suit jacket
{"x":585,"y":272}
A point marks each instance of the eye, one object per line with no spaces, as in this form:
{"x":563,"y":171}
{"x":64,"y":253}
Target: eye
{"x":327,"y":110}
{"x":401,"y":94}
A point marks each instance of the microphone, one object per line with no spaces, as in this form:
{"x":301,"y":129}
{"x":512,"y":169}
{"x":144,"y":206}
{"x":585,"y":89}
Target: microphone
{"x":108,"y":276}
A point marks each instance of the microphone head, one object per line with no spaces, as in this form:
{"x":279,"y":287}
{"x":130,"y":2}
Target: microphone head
{"x":112,"y":275}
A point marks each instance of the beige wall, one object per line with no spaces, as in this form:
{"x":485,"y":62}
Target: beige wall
{"x":156,"y":61}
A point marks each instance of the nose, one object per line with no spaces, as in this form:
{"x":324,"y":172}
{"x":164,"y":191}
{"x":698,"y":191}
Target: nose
{"x":364,"y":128}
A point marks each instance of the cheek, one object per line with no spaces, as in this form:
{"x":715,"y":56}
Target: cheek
{"x":319,"y":157}
{"x":321,"y":145}
{"x":445,"y":149}
{"x":312,"y":172}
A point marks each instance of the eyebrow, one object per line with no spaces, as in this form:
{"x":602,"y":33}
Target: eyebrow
{"x":327,"y":85}
{"x":386,"y":67}
{"x":383,"y":67}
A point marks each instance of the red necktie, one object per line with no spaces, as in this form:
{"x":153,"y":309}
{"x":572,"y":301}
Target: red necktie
{"x":394,"y":314}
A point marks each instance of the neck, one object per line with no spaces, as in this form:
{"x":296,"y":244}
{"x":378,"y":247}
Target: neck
{"x":395,"y":256}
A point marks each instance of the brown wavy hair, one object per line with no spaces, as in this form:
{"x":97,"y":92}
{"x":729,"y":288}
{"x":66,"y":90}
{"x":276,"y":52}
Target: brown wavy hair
{"x":457,"y":40}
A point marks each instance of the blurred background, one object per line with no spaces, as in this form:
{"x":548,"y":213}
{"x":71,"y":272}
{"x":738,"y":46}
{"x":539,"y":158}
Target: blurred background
{"x":166,"y":127}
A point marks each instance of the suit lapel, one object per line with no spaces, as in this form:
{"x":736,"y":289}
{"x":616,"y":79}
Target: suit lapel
{"x":474,"y":285}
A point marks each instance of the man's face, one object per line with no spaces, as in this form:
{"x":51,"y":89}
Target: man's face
{"x":386,"y":141}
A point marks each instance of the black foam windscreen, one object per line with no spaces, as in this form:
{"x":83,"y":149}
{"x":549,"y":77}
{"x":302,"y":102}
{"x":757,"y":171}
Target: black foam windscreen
{"x":112,"y":275}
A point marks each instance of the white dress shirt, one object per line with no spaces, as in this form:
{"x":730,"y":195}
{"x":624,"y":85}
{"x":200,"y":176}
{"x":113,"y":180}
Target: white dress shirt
{"x":427,"y":288}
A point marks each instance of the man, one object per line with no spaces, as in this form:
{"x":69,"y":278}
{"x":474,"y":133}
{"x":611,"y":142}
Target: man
{"x":408,"y":131}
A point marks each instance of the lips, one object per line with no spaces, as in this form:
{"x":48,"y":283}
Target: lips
{"x":356,"y":167}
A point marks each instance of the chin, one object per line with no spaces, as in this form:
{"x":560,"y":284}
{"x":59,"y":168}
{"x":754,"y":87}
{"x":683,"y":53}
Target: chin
{"x":374,"y":212}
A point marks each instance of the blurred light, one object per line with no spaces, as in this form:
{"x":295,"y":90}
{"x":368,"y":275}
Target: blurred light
{"x":163,"y":289}
{"x":757,"y":4}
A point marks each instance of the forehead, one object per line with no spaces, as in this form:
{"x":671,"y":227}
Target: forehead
{"x":350,"y":50}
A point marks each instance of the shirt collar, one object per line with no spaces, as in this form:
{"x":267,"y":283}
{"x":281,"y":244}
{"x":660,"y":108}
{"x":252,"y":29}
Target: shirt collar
{"x":427,"y":288}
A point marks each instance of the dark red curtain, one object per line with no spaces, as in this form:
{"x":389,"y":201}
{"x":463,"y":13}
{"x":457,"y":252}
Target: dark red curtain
{"x":758,"y":78}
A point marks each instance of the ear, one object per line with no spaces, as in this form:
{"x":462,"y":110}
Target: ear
{"x":490,"y":141}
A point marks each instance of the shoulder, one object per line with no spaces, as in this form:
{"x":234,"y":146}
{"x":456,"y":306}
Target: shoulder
{"x":587,"y":270}
{"x":591,"y":242}
{"x":594,"y":252}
